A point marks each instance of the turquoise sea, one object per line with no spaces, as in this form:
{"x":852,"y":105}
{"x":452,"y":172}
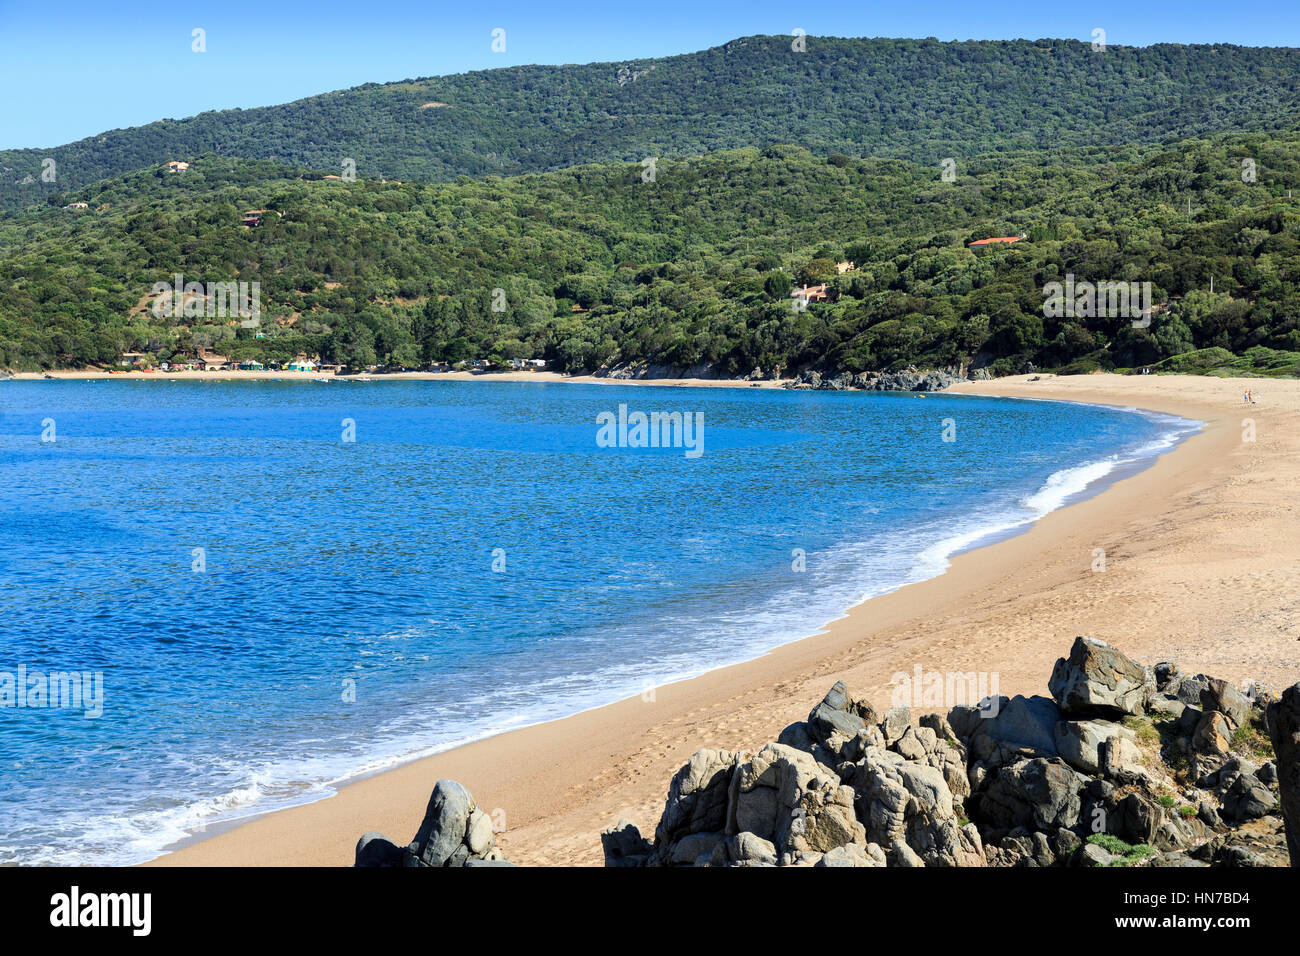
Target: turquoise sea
{"x":282,"y":585}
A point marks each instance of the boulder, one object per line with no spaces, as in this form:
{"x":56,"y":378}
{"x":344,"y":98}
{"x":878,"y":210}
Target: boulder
{"x":836,"y":714}
{"x":784,"y":796}
{"x":853,"y":854}
{"x":694,"y":849}
{"x":479,"y":838}
{"x":1097,"y":680}
{"x":624,"y":845}
{"x":1037,"y":794}
{"x":1079,"y":741}
{"x":375,"y":849}
{"x":442,"y":832}
{"x":751,"y":849}
{"x":1166,"y":704}
{"x":1224,"y":698}
{"x":1188,"y":689}
{"x":896,"y":723}
{"x":1094,"y":855}
{"x":904,"y":801}
{"x":1018,"y":727}
{"x":1213,"y":734}
{"x":1283,"y":719}
{"x":697,"y":800}
{"x":1242,"y":795}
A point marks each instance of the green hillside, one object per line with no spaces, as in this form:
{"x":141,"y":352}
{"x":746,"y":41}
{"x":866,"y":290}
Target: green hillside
{"x":597,"y":267}
{"x":921,"y":100}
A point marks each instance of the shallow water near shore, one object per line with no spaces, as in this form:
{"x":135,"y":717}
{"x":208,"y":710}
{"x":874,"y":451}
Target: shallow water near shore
{"x":275,"y":609}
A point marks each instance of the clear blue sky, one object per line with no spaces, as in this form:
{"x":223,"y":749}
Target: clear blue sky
{"x":72,"y":68}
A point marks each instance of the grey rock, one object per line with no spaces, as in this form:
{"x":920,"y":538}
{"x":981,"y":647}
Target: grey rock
{"x":897,"y":721}
{"x":1094,"y":855}
{"x":853,"y":854}
{"x":1037,"y":794}
{"x":697,"y":800}
{"x":784,"y":796}
{"x":479,"y":837}
{"x":442,"y":831}
{"x":1022,"y":727}
{"x":1242,"y":796}
{"x":687,"y":850}
{"x":375,"y":849}
{"x":1224,"y":698}
{"x":1097,"y":680}
{"x":747,"y":847}
{"x":1079,"y":741}
{"x":1284,"y":729}
{"x":902,"y":855}
{"x":624,"y":845}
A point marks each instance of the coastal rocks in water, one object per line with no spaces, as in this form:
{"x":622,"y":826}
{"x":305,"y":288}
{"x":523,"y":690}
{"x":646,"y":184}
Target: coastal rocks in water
{"x":1097,"y":680}
{"x":454,"y":832}
{"x":1284,"y":729}
{"x":907,"y":380}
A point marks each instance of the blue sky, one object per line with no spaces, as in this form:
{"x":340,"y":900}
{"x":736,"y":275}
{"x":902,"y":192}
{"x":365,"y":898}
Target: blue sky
{"x":74,"y":68}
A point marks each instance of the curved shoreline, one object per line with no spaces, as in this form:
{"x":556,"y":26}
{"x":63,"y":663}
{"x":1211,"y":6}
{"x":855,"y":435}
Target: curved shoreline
{"x":919,"y":571}
{"x":587,"y":769}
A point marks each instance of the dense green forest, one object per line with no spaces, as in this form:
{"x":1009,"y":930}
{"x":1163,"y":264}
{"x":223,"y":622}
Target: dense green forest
{"x":596,"y":266}
{"x":921,"y":100}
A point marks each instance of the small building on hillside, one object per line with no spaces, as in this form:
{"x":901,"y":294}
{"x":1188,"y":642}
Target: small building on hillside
{"x":177,"y":167}
{"x":995,"y":239}
{"x":846,"y":266}
{"x":809,"y":293}
{"x":211,"y":361}
{"x":77,"y":205}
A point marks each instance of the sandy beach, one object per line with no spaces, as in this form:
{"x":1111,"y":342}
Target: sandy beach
{"x":1202,"y":567}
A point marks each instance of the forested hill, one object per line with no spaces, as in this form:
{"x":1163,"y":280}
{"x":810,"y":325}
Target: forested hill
{"x":921,"y":100}
{"x":593,"y":266}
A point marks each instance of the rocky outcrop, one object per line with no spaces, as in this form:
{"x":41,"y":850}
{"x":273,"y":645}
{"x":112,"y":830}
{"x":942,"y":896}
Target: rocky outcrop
{"x":454,"y":832}
{"x":1124,"y":765}
{"x":1284,"y":729}
{"x":1097,"y":680}
{"x":907,"y":380}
